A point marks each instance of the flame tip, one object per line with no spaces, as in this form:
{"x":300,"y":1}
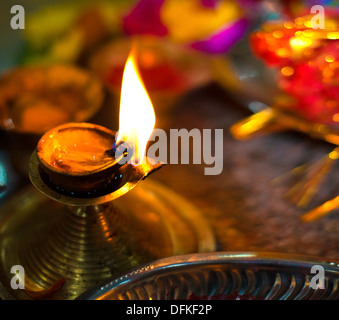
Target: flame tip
{"x":137,"y":118}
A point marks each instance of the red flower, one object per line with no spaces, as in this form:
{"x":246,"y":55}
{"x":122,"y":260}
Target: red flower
{"x":314,"y":86}
{"x":145,"y":18}
{"x":308,"y":61}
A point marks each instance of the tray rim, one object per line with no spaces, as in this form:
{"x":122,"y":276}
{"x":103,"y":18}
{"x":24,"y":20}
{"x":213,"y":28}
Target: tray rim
{"x":181,"y":262}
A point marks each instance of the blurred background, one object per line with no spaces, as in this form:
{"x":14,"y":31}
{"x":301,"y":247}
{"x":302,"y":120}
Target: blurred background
{"x":206,"y":64}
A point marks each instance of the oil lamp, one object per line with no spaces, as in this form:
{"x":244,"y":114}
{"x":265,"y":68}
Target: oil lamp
{"x":94,"y":223}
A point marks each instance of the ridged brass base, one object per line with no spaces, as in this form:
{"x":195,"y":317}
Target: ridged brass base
{"x":87,"y":245}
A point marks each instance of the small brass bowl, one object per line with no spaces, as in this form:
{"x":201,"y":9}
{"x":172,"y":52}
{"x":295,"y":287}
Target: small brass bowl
{"x":35,"y":99}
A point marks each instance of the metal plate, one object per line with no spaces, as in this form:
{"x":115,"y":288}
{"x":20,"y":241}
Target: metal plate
{"x":224,"y":276}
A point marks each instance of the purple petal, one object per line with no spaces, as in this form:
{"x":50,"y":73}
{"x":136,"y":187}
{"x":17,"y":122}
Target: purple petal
{"x":209,"y":3}
{"x":224,"y":39}
{"x":248,"y":3}
{"x":145,"y":19}
{"x":320,"y":2}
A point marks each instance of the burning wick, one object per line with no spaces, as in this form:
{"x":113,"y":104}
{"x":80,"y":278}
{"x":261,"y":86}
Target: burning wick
{"x":81,"y":150}
{"x":136,"y":118}
{"x":78,"y":158}
{"x":120,"y":150}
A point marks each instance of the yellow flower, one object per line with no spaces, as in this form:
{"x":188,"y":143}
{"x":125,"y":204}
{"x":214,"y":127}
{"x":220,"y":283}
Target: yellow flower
{"x":190,"y":21}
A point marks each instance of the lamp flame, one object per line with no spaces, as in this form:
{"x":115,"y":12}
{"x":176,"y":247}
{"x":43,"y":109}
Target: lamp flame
{"x":137,"y":117}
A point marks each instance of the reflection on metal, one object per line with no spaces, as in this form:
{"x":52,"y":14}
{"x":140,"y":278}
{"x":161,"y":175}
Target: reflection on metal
{"x":86,"y":240}
{"x":260,"y":122}
{"x":3,"y":180}
{"x":224,"y":276}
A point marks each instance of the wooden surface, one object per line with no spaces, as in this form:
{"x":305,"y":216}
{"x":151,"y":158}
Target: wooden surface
{"x":247,"y":211}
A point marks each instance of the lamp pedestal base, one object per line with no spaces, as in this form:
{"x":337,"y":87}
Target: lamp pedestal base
{"x":86,"y":245}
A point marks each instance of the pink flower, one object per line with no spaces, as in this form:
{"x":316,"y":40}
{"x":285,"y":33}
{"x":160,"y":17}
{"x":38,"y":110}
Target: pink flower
{"x":224,"y":39}
{"x":219,"y":24}
{"x":145,"y":18}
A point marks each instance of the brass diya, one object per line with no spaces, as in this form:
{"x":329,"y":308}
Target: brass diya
{"x":78,"y":235}
{"x":97,"y":226}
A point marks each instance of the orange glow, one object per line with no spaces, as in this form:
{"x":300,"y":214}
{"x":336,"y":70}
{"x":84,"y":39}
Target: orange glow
{"x":287,"y":71}
{"x":300,"y":43}
{"x":289,"y":25}
{"x":333,"y":35}
{"x":137,"y":118}
{"x":278,"y":34}
{"x":336,"y":117}
{"x":329,"y":58}
{"x":300,"y":22}
{"x":283,"y":52}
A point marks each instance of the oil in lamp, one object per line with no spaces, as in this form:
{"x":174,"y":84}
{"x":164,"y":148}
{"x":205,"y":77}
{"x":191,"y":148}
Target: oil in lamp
{"x":94,"y":223}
